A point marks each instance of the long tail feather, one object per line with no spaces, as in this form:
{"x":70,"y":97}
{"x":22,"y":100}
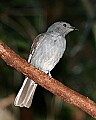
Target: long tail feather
{"x":26,"y":93}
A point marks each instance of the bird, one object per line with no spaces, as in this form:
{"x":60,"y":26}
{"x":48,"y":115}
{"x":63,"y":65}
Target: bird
{"x":45,"y":53}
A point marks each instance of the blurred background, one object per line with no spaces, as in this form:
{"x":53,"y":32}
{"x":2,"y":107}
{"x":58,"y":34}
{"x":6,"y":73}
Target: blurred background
{"x":20,"y":22}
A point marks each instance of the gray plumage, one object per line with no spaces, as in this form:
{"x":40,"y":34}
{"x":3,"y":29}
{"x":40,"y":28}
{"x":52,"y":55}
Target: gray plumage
{"x":46,"y":51}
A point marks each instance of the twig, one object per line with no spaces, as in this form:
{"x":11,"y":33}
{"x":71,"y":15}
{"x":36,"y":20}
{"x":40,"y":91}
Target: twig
{"x":57,"y":88}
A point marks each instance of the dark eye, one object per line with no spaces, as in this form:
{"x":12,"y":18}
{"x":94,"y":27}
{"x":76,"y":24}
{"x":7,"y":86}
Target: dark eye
{"x":64,"y":25}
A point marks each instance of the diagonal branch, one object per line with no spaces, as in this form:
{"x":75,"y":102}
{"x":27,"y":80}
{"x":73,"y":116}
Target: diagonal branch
{"x":57,"y":88}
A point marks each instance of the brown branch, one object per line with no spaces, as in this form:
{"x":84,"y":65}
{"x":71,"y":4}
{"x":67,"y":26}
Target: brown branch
{"x":57,"y":88}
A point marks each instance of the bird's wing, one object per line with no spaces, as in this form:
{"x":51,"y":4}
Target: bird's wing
{"x":37,"y":41}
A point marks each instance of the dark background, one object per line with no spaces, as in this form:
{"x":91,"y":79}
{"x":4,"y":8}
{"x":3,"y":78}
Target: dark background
{"x":20,"y":22}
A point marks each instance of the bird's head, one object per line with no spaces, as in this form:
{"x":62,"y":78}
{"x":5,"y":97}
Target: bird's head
{"x":61,"y":27}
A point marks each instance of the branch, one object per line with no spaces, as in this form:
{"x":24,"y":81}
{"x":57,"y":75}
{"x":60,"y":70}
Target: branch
{"x":57,"y":88}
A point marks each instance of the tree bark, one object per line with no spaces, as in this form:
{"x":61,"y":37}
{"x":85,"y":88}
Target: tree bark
{"x":54,"y":86}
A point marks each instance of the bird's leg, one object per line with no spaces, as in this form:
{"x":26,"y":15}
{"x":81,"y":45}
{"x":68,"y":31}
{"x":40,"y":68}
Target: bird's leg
{"x":49,"y":74}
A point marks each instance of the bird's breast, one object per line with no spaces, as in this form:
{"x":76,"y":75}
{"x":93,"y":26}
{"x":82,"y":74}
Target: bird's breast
{"x":49,"y":53}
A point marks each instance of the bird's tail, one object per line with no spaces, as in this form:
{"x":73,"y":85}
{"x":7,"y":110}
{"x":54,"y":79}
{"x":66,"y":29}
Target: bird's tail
{"x":26,"y":93}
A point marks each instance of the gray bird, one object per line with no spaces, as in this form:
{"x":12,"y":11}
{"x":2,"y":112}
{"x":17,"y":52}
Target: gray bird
{"x":46,"y":51}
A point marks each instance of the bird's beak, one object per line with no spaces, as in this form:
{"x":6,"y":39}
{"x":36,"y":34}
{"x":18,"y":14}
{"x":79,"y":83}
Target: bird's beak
{"x":71,"y":27}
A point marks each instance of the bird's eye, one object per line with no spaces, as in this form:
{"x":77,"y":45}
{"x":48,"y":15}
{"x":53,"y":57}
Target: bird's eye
{"x":64,"y":25}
